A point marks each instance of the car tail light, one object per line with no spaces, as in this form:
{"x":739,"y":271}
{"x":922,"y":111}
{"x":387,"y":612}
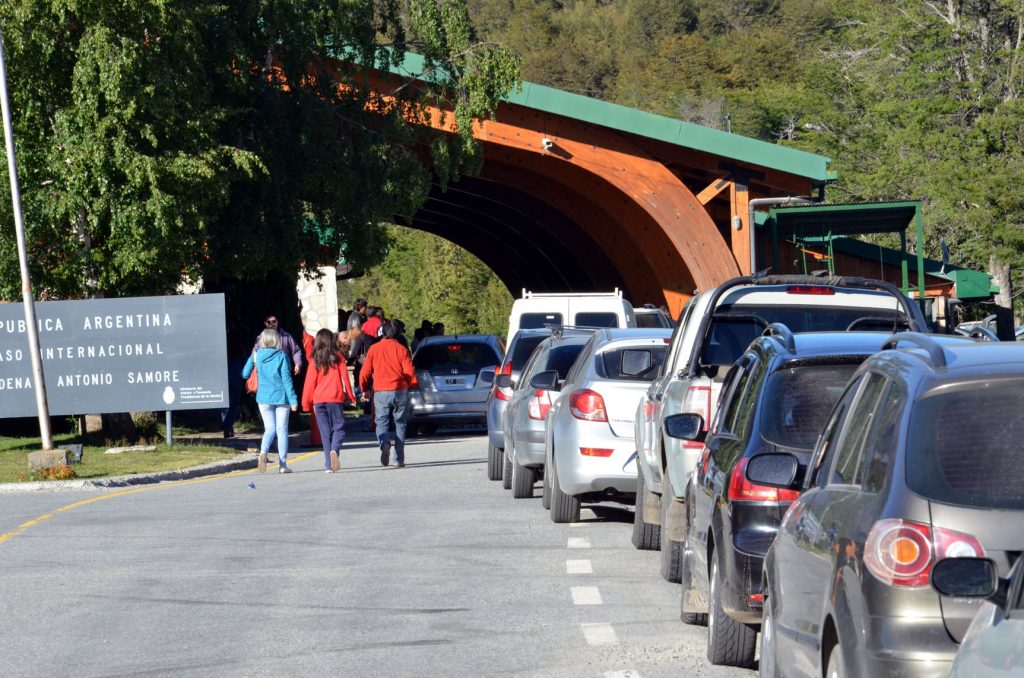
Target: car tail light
{"x":697,"y":401}
{"x":539,"y":404}
{"x":503,"y":393}
{"x":648,"y":409}
{"x":901,"y":552}
{"x":596,"y":452}
{"x":741,"y":489}
{"x":809,"y":289}
{"x":587,"y":405}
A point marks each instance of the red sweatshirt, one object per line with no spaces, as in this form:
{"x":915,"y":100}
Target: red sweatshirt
{"x":390,"y":365}
{"x":332,"y":387}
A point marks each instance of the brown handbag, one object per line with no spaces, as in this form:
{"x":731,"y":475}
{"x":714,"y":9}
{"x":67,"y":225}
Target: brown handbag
{"x":253,"y":382}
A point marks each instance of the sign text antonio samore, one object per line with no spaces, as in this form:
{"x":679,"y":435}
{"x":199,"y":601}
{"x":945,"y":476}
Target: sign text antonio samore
{"x":117,"y":355}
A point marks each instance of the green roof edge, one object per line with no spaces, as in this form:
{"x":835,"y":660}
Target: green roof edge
{"x":659,"y":127}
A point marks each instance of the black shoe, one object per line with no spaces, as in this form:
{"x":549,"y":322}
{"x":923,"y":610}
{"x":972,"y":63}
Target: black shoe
{"x":385,"y":453}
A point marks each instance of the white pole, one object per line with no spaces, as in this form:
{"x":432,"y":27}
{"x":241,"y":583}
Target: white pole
{"x":26,"y":280}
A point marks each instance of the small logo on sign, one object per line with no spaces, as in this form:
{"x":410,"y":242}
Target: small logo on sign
{"x":168,"y":395}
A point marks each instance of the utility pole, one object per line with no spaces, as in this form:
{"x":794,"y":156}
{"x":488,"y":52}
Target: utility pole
{"x":31,"y":327}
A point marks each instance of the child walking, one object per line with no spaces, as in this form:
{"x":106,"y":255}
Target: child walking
{"x":326,"y":390}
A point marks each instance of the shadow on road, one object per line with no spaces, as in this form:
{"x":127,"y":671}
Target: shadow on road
{"x":607,"y":514}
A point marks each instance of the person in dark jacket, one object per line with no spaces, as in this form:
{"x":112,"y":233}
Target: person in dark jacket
{"x":326,"y":390}
{"x":289,"y":346}
{"x":389,"y":364}
{"x":275,"y":395}
{"x":358,"y":315}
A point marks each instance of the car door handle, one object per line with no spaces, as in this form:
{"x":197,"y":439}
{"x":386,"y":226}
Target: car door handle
{"x":657,"y":396}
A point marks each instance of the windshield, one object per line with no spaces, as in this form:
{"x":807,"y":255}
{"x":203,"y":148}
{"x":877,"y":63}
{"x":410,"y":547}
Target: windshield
{"x":455,"y":358}
{"x":734,"y":327}
{"x":797,"y":401}
{"x":964,"y":445}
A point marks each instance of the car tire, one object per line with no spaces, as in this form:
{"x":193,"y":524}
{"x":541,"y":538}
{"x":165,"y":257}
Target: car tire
{"x":494,"y":462}
{"x":671,"y":551}
{"x":545,"y":494}
{"x":565,"y":508}
{"x":730,"y":643}
{"x":523,"y":479}
{"x":506,"y":475}
{"x":834,"y":667}
{"x":766,"y":664}
{"x":646,"y":537}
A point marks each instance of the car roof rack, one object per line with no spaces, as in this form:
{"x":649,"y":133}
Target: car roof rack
{"x":558,"y":330}
{"x":936,"y":355}
{"x":783,"y":334}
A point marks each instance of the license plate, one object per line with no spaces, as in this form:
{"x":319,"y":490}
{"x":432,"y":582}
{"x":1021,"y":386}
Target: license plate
{"x":455,"y":381}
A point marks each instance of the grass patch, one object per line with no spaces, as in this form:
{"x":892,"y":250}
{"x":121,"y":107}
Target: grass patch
{"x":96,"y":464}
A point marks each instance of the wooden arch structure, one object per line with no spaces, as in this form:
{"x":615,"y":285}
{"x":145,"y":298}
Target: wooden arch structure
{"x":582,"y":195}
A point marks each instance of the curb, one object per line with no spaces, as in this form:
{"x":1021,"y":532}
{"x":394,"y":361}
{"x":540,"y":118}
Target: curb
{"x":218,"y":467}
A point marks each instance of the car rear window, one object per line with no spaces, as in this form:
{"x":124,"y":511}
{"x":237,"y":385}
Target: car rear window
{"x":734,"y":327}
{"x":797,"y":401}
{"x":455,"y":358}
{"x":523,"y":349}
{"x":632,"y":363}
{"x":594,"y":319}
{"x":964,"y":445}
{"x":649,"y":320}
{"x":532,"y":321}
{"x":561,"y":358}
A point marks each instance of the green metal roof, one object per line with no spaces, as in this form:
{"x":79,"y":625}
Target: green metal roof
{"x":659,"y":127}
{"x":810,"y":221}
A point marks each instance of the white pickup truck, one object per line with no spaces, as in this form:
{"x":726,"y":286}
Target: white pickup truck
{"x":714,"y":329}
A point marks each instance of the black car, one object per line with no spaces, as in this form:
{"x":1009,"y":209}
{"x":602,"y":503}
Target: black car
{"x":920,"y":461}
{"x":777,"y":396}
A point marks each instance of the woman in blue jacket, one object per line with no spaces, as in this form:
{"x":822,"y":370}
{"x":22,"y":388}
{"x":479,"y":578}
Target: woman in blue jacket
{"x":275,"y":395}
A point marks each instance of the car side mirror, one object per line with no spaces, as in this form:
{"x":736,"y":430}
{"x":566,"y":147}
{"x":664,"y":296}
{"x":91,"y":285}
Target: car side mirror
{"x":685,"y":426}
{"x":546,"y":381}
{"x":774,"y":470}
{"x":503,"y":381}
{"x":969,"y":578}
{"x":487,"y":376}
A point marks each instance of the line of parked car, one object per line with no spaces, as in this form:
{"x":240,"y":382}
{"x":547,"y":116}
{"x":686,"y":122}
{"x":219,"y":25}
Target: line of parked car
{"x":813,"y":466}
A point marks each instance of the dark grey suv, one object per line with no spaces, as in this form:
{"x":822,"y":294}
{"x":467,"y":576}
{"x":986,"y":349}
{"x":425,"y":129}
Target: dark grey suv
{"x":920,"y":460}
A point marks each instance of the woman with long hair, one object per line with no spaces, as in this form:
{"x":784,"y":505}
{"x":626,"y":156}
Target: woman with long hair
{"x":326,"y":390}
{"x":275,"y":395}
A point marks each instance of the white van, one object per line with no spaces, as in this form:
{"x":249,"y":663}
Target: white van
{"x":592,"y":309}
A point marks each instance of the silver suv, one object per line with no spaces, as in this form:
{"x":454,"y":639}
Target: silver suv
{"x":715,"y":328}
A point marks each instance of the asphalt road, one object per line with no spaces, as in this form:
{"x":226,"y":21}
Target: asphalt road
{"x":427,"y":570}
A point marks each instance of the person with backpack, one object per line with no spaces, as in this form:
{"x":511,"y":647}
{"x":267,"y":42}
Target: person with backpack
{"x":326,"y":391}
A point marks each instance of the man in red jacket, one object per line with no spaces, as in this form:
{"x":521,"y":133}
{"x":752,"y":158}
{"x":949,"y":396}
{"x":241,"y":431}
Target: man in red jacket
{"x":390,"y":366}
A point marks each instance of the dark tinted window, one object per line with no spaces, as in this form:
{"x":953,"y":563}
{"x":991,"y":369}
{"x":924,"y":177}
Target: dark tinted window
{"x":650,"y":320}
{"x":561,"y":359}
{"x":735,"y":327}
{"x":884,"y":437}
{"x":798,"y":400}
{"x":596,"y":320}
{"x":964,"y":445}
{"x":523,"y":349}
{"x":826,"y":450}
{"x":455,"y":358}
{"x":530,"y":321}
{"x":636,"y":363}
{"x":849,"y":466}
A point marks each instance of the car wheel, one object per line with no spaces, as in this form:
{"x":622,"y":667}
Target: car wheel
{"x":523,"y":479}
{"x":834,"y":667}
{"x":565,"y":508}
{"x":545,"y":494}
{"x":494,"y":464}
{"x":730,"y":643}
{"x":506,"y":474}
{"x":766,"y":665}
{"x":671,"y":551}
{"x":646,"y":537}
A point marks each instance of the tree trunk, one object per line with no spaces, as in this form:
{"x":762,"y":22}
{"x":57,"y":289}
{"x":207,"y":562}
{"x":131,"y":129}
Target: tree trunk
{"x":1004,"y":298}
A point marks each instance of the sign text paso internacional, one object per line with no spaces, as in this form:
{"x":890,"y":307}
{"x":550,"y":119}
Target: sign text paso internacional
{"x":117,"y":355}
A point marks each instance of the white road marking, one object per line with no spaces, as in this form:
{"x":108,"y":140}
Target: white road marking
{"x":578,"y":567}
{"x":585,"y":595}
{"x":578,"y":543}
{"x":599,"y":634}
{"x":629,"y":673}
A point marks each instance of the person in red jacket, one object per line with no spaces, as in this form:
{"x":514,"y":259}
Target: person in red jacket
{"x":389,"y":364}
{"x":327,"y":389}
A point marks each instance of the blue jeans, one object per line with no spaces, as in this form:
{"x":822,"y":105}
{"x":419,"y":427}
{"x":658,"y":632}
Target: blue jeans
{"x":330,"y":418}
{"x":275,"y":424}
{"x":396,"y":404}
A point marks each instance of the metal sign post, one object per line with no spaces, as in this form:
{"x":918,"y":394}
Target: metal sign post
{"x":26,"y":281}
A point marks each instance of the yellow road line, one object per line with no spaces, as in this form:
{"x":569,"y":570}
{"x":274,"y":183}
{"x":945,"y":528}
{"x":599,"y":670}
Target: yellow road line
{"x":121,"y":493}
